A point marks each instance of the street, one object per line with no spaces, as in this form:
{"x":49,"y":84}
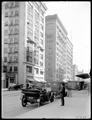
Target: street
{"x":77,"y":106}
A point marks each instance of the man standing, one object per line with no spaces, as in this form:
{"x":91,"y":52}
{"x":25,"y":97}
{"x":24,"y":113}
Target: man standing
{"x":62,"y":93}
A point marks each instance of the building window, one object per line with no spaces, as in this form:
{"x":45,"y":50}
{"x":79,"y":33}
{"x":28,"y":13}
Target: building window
{"x":41,"y":72}
{"x":10,"y":49}
{"x":41,"y":63}
{"x":11,"y":22}
{"x":15,"y":68}
{"x":6,"y":14}
{"x":11,"y":14}
{"x":11,"y":30}
{"x":42,"y":20}
{"x":37,"y":6}
{"x":36,"y":61}
{"x":6,"y":23}
{"x":5,"y":59}
{"x":29,"y":69}
{"x":36,"y":15}
{"x":16,"y":48}
{"x":5,"y":40}
{"x":41,"y":26}
{"x":29,"y":59}
{"x":16,"y":13}
{"x":29,"y":56}
{"x":15,"y":58}
{"x":5,"y":50}
{"x":12,"y":5}
{"x":42,"y":13}
{"x":4,"y":68}
{"x":16,"y":39}
{"x":10,"y":58}
{"x":16,"y":30}
{"x":11,"y":40}
{"x":6,"y":5}
{"x":16,"y":4}
{"x":37,"y":70}
{"x":5,"y":32}
{"x":16,"y":21}
{"x":10,"y":70}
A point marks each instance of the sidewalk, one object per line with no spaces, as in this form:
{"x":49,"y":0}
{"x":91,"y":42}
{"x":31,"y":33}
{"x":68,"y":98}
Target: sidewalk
{"x":75,"y":107}
{"x":9,"y":93}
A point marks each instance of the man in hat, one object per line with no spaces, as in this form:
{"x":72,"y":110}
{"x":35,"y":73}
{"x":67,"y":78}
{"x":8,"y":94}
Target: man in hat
{"x":62,"y":93}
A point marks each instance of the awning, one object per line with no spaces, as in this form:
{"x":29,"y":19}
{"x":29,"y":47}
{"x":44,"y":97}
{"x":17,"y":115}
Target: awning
{"x":84,"y":76}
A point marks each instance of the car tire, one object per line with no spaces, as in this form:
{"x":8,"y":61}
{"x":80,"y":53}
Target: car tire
{"x":24,"y":101}
{"x":52,"y":100}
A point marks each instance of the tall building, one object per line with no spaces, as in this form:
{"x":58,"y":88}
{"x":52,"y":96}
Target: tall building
{"x":56,"y":46}
{"x":69,"y":60}
{"x":24,"y":41}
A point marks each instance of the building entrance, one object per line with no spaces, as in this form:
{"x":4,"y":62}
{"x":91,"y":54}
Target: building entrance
{"x":7,"y":83}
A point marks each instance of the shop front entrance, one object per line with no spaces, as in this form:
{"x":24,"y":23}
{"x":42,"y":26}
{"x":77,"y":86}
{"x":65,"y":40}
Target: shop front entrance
{"x":7,"y":82}
{"x":10,"y":79}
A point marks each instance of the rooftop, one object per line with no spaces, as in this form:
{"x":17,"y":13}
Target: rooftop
{"x":55,"y":16}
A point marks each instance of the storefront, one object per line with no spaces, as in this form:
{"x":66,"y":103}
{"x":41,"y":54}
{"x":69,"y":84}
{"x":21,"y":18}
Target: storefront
{"x":10,"y":79}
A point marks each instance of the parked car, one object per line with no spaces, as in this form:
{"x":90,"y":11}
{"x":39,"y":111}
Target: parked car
{"x":15,"y":86}
{"x":35,"y":94}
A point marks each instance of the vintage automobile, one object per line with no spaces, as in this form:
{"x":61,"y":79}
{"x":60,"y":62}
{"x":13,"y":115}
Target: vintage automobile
{"x":35,"y":94}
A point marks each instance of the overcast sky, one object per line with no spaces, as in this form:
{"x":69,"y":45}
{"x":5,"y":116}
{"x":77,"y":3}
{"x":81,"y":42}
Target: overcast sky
{"x":75,"y":16}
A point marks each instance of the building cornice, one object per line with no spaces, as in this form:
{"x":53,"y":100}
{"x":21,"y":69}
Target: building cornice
{"x":55,"y":16}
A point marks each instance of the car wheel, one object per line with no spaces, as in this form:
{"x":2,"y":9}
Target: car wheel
{"x":52,"y":99}
{"x":24,"y":102}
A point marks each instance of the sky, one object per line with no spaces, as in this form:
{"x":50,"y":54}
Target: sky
{"x":76,"y":18}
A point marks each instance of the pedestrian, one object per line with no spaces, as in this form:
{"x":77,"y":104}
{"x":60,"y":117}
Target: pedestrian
{"x":62,"y":94}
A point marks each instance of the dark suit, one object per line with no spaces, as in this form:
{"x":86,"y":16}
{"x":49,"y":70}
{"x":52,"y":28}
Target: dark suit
{"x":62,"y":94}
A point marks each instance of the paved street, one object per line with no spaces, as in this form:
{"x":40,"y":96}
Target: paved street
{"x":77,"y":106}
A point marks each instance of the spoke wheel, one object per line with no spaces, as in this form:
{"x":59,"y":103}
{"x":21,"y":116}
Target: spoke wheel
{"x":24,"y":102}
